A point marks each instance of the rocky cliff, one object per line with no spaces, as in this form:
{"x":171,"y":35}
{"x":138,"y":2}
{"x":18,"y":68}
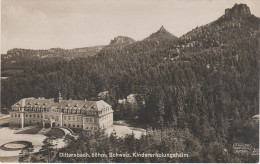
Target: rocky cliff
{"x":238,"y":10}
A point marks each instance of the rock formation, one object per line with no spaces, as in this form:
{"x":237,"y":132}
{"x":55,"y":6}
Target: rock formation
{"x":239,"y":10}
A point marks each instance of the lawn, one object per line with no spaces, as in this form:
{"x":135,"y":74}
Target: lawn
{"x":54,"y":132}
{"x":33,"y":130}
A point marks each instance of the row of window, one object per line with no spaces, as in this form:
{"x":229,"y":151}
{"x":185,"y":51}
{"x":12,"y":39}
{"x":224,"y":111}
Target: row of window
{"x":33,"y":109}
{"x":105,"y":110}
{"x":78,"y":126}
{"x":106,"y":116}
{"x":33,"y":115}
{"x":30,"y":122}
{"x":15,"y":115}
{"x":91,"y":128}
{"x":78,"y":111}
{"x":74,"y":126}
{"x":73,"y":117}
{"x":51,"y":117}
{"x":91,"y":120}
{"x":71,"y":111}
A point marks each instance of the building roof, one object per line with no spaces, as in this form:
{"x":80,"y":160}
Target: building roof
{"x":33,"y":102}
{"x":62,"y":104}
{"x":103,"y":93}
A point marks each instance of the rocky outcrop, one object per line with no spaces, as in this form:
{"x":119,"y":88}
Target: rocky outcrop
{"x":239,"y":10}
{"x":162,"y":32}
{"x":122,"y":40}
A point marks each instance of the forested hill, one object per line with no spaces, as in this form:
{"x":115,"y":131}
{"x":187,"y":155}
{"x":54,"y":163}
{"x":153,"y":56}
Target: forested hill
{"x":159,"y":41}
{"x":119,"y":42}
{"x":206,"y":81}
{"x":53,"y":52}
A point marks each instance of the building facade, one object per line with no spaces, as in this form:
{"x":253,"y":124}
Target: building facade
{"x":80,"y":114}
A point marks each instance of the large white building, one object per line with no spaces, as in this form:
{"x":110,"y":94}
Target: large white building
{"x":86,"y":115}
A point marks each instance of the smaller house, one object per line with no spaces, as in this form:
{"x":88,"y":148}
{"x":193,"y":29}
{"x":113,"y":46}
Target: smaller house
{"x":131,"y":98}
{"x":103,"y":95}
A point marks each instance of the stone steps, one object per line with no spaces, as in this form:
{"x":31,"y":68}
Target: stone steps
{"x":44,"y":131}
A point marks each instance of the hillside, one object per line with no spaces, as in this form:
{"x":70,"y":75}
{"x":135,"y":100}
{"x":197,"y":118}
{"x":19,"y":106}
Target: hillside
{"x":53,"y":52}
{"x":156,"y":43}
{"x":205,"y":82}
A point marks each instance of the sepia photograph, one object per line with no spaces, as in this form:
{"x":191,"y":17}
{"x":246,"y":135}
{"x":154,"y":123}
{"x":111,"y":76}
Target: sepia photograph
{"x":129,"y":81}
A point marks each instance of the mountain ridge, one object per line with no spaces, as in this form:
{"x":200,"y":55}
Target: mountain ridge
{"x":54,"y":52}
{"x":235,"y":16}
{"x":205,"y":82}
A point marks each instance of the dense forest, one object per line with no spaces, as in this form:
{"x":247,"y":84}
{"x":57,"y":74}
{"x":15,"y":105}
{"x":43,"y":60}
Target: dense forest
{"x":53,"y":52}
{"x":204,"y":83}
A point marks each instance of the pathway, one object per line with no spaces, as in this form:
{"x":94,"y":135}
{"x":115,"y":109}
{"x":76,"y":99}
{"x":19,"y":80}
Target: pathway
{"x":67,"y":132}
{"x":44,"y":131}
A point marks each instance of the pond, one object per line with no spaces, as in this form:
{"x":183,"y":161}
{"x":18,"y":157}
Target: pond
{"x":11,"y":140}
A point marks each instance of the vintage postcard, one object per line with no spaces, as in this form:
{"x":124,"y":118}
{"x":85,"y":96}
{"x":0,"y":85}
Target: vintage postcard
{"x":129,"y":81}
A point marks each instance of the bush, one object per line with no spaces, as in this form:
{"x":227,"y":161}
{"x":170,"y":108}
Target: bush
{"x":54,"y":132}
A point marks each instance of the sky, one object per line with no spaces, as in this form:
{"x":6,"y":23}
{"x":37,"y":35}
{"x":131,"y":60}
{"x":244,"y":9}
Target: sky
{"x":44,"y":24}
